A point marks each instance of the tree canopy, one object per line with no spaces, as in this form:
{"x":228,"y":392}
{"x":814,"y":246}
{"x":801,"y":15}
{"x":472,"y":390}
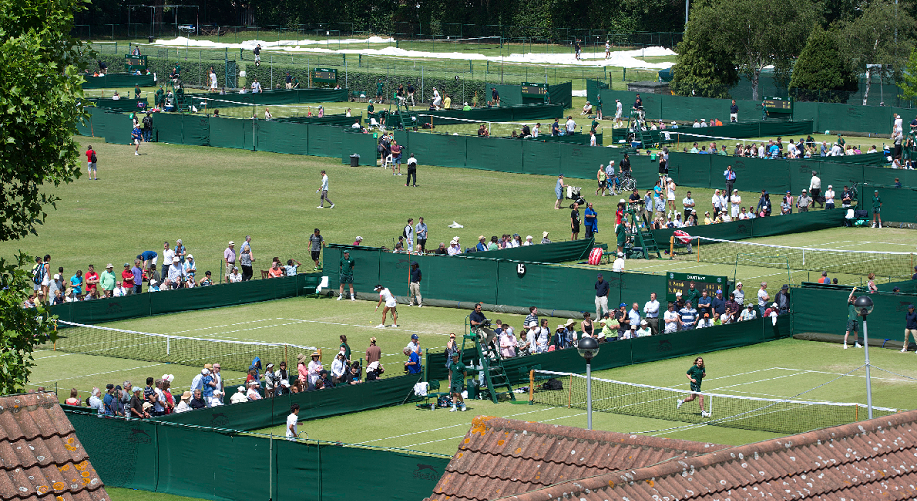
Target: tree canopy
{"x":41,"y":103}
{"x":704,"y":68}
{"x":823,"y":72}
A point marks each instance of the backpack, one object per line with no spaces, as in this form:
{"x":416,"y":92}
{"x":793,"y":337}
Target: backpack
{"x":552,"y":384}
{"x":92,"y":158}
{"x":38,"y":273}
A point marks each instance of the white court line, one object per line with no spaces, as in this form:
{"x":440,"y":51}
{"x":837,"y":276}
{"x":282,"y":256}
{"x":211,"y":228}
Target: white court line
{"x":373,"y":327}
{"x":222,"y":326}
{"x":544,"y":409}
{"x":851,"y":375}
{"x":96,"y":374}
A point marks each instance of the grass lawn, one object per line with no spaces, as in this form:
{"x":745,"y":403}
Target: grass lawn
{"x":120,"y":494}
{"x":779,"y":369}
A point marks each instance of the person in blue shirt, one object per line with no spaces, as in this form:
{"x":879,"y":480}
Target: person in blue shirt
{"x":421,"y":232}
{"x":412,"y":366}
{"x":555,"y":128}
{"x":704,"y":303}
{"x":148,"y":257}
{"x":591,"y":219}
{"x":559,"y":189}
{"x":688,"y":316}
{"x":76,"y":283}
{"x":718,"y":303}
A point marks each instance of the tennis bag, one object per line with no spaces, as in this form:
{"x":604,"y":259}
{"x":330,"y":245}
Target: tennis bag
{"x":552,"y":384}
{"x":595,"y":257}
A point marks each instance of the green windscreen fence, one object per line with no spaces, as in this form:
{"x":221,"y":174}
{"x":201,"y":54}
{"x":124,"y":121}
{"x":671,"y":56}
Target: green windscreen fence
{"x":283,"y":96}
{"x":502,"y":113}
{"x":470,"y":279}
{"x":824,"y":310}
{"x":760,"y":227}
{"x":730,"y":130}
{"x":123,"y":104}
{"x":143,"y":305}
{"x":268,"y":412}
{"x":232,"y":133}
{"x":169,"y":458}
{"x":118,"y":80}
{"x":632,"y":351}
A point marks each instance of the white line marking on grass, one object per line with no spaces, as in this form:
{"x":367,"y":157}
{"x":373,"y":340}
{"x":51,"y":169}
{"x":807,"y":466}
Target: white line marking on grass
{"x":223,"y":326}
{"x":96,"y":374}
{"x":399,"y":329}
{"x":446,"y":428}
{"x":897,"y":379}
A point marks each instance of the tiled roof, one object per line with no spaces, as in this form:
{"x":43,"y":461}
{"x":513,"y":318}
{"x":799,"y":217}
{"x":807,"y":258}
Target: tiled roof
{"x":40,"y":456}
{"x":500,"y":457}
{"x":875,"y":459}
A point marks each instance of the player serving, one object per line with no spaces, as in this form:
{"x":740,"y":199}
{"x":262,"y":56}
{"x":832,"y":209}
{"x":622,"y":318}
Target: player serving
{"x":696,"y":375}
{"x":390,"y":304}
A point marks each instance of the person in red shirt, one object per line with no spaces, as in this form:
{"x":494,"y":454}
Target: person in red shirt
{"x":92,"y":282}
{"x":91,"y":163}
{"x":127,"y":280}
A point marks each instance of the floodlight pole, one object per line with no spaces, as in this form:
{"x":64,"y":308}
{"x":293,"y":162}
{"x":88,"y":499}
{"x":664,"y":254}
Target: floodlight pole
{"x":868,"y":378}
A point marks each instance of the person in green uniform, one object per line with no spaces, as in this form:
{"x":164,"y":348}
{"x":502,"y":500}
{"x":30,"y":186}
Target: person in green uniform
{"x":160,"y":97}
{"x":379,"y":89}
{"x":346,"y":273}
{"x":841,"y":142}
{"x":370,"y":108}
{"x":136,"y":91}
{"x":595,"y":125}
{"x":696,"y":375}
{"x":345,"y":348}
{"x":598,"y":107}
{"x":853,"y":318}
{"x":876,"y":208}
{"x":457,"y":375}
{"x":691,"y":294}
{"x":621,"y":236}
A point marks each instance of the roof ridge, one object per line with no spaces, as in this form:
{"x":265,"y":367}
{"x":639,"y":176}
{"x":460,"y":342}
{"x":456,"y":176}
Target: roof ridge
{"x":694,"y":463}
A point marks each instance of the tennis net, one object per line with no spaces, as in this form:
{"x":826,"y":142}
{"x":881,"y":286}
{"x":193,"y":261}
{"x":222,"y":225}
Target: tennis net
{"x":749,"y":413}
{"x":883,"y":264}
{"x":195,"y":352}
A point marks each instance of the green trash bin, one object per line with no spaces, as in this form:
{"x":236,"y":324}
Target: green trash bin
{"x":472,"y":387}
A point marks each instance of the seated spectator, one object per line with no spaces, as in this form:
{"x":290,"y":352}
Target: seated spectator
{"x":238,"y":397}
{"x":704,"y":321}
{"x":74,"y":398}
{"x":413,"y":366}
{"x":183,"y":404}
{"x":197,"y":401}
{"x":454,"y":247}
{"x":276,"y":271}
{"x":137,"y":408}
{"x":253,"y":391}
{"x":95,"y":401}
{"x":292,"y":269}
{"x":749,"y":313}
{"x":324,"y":381}
{"x":206,"y":281}
{"x":217,"y":399}
{"x":355,"y":374}
{"x":374,"y":371}
{"x":235,"y":276}
{"x":339,"y":368}
{"x":644,"y":330}
{"x":508,"y":344}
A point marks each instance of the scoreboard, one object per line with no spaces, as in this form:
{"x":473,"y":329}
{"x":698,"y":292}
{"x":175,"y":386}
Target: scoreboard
{"x":534,"y":89}
{"x":680,"y":282}
{"x":134,"y":63}
{"x":325,"y":75}
{"x":777,"y":105}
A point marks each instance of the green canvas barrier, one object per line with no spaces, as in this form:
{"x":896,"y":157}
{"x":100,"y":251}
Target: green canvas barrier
{"x":733,"y":130}
{"x":114,"y":127}
{"x":594,"y":88}
{"x":195,"y":130}
{"x":437,"y":149}
{"x":824,"y":310}
{"x":342,"y":399}
{"x":502,"y":113}
{"x":360,"y":144}
{"x":231,"y":133}
{"x":283,"y":96}
{"x":146,"y":304}
{"x":459,"y":279}
{"x":341,"y":120}
{"x":116,"y":80}
{"x":632,"y":351}
{"x":280,"y":137}
{"x":84,"y":126}
{"x":123,"y":104}
{"x":899,"y":205}
{"x":905,"y":287}
{"x":540,"y":158}
{"x":562,"y":94}
{"x":488,"y":153}
{"x":578,"y":138}
{"x":156,"y":456}
{"x":324,"y":141}
{"x":760,"y":227}
{"x":557,"y":252}
{"x":510,"y":95}
{"x":168,"y":128}
{"x":365,"y":269}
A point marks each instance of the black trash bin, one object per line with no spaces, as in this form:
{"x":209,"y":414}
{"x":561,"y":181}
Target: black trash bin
{"x":150,"y":39}
{"x":355,"y":160}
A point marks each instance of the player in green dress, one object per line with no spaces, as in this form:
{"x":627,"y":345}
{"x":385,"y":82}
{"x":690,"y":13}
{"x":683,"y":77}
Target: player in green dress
{"x":457,"y":374}
{"x":346,"y":275}
{"x":696,"y":375}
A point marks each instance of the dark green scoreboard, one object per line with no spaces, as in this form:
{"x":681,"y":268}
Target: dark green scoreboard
{"x":325,"y":75}
{"x":680,"y":282}
{"x":530,"y":89}
{"x":777,"y":105}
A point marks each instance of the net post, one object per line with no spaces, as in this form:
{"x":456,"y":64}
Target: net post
{"x":168,"y":345}
{"x":531,"y":385}
{"x":672,"y":247}
{"x":570,"y":393}
{"x":698,"y":250}
{"x":856,"y":413}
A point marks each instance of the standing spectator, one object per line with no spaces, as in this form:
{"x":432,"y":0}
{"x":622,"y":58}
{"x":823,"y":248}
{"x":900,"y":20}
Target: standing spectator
{"x":910,"y":327}
{"x":618,"y":265}
{"x":346,"y":275}
{"x":735,"y":201}
{"x":734,"y":112}
{"x":651,"y":313}
{"x":229,"y":259}
{"x":416,"y":276}
{"x":92,"y":282}
{"x":373,"y":352}
{"x":671,"y":319}
{"x":559,"y":191}
{"x":147,"y":258}
{"x":246,"y":258}
{"x":876,"y":208}
{"x":190,"y":268}
{"x":136,"y":137}
{"x":718,"y":304}
{"x":257,"y":52}
{"x":168,"y":255}
{"x":592,"y":221}
{"x":829,"y":197}
{"x":763,"y":298}
{"x":704,"y":304}
{"x":91,"y":163}
{"x":107,"y":280}
{"x":324,"y":192}
{"x":147,"y":128}
{"x":601,"y":296}
{"x":316,"y":242}
{"x":412,"y":171}
{"x":803,"y":202}
{"x":782,"y":300}
{"x":687,"y":316}
{"x":716,"y":201}
{"x":570,"y":125}
{"x":688,"y":204}
{"x":634,"y":315}
{"x":396,"y":158}
{"x":730,"y":176}
{"x":853,"y":317}
{"x":408,"y":234}
{"x":127,"y":279}
{"x":421,"y":232}
{"x":739,"y":294}
{"x":815,"y":190}
{"x":574,"y":222}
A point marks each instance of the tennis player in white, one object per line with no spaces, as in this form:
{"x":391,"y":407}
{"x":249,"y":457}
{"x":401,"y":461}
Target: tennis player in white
{"x":390,"y":304}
